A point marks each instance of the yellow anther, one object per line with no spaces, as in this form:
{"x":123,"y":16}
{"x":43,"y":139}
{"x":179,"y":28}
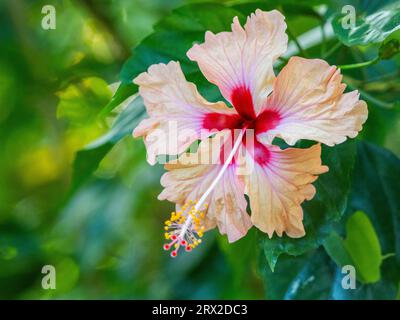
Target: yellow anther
{"x":188,"y":218}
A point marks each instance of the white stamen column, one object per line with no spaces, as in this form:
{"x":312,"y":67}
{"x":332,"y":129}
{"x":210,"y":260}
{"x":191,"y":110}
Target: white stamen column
{"x":214,"y":183}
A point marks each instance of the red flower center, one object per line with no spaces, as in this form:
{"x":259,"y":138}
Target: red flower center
{"x":246,"y":118}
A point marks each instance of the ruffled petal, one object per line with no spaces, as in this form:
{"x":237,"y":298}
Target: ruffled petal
{"x":308,"y":96}
{"x":240,"y":62}
{"x":280,"y":181}
{"x":176,"y":109}
{"x":188,"y":178}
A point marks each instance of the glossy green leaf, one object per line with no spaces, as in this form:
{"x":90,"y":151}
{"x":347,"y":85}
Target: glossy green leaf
{"x":123,"y":124}
{"x":124,"y":91}
{"x":287,"y":7}
{"x":308,"y":276}
{"x":81,"y":102}
{"x":326,"y":207}
{"x":87,"y":160}
{"x":360,"y":249}
{"x":370,"y":26}
{"x":174,"y":36}
{"x":375,"y":190}
{"x":363,"y":246}
{"x":389,"y":48}
{"x":334,"y":246}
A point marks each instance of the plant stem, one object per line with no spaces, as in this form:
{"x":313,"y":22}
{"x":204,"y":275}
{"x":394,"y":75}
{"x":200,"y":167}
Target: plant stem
{"x":332,"y":50}
{"x":359,"y":65}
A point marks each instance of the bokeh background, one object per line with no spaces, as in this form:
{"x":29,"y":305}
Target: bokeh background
{"x":104,"y":234}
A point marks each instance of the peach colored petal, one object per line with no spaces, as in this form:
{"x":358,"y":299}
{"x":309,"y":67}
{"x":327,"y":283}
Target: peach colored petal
{"x":186,"y":181}
{"x":176,"y":110}
{"x":243,"y":57}
{"x":277,"y":189}
{"x":308,"y":95}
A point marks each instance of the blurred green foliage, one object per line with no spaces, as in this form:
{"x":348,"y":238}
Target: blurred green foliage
{"x":76,"y":191}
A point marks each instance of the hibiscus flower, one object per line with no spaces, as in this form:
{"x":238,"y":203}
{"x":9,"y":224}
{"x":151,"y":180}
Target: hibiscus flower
{"x":305,"y":101}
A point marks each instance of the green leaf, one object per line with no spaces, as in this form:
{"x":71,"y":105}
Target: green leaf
{"x":81,"y":102}
{"x":304,"y":277}
{"x":376,"y":191}
{"x":323,"y":210}
{"x":360,"y":249}
{"x":389,"y":48}
{"x":174,"y":36}
{"x":88,"y":159}
{"x":289,"y":8}
{"x":86,"y":162}
{"x":363,"y":246}
{"x":123,"y":124}
{"x":371,"y":26}
{"x":335,"y":248}
{"x":124,"y":91}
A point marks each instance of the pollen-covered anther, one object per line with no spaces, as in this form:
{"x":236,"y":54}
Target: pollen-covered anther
{"x":184,"y":228}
